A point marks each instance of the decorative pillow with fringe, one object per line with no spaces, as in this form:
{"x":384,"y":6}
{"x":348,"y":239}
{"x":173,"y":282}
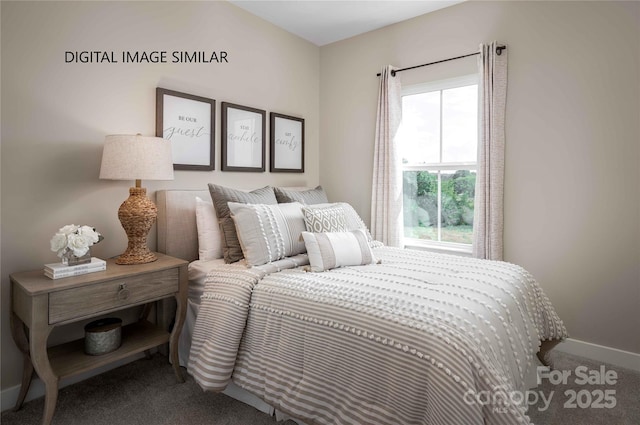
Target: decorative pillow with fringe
{"x":338,"y":249}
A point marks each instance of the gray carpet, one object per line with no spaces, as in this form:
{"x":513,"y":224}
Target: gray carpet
{"x":146,"y":392}
{"x":565,"y":409}
{"x":142,"y":392}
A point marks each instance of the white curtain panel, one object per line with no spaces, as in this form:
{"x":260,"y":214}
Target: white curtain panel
{"x":386,"y":196}
{"x":488,"y":210}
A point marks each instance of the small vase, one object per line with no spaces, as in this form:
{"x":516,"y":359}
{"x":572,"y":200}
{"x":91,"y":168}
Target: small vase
{"x":68,"y":259}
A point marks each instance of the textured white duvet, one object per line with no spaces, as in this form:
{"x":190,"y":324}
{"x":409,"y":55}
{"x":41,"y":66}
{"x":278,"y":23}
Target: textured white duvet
{"x":409,"y":341}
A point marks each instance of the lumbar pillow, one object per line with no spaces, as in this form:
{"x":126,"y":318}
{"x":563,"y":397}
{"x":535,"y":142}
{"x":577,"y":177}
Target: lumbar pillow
{"x":305,"y":197}
{"x":330,"y":219}
{"x":268,"y":232}
{"x":337,"y":249}
{"x":209,"y":236}
{"x":221,"y":196}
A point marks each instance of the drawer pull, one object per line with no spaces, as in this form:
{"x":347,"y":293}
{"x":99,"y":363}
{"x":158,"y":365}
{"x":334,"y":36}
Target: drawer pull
{"x":123,"y":293}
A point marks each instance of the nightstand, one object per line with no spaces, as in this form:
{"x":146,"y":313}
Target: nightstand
{"x":40,"y":304}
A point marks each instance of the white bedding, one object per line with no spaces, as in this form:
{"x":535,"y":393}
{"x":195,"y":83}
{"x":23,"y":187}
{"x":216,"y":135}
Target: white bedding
{"x":197,"y":274}
{"x":178,"y":236}
{"x":459,"y":324}
{"x":198,"y":271}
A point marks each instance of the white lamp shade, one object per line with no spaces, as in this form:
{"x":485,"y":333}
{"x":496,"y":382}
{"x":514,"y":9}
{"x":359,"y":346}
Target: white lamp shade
{"x":129,"y":157}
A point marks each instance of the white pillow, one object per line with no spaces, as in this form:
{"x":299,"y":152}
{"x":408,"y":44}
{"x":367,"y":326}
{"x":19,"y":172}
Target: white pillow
{"x":338,"y":249}
{"x":209,"y":235}
{"x":268,"y":232}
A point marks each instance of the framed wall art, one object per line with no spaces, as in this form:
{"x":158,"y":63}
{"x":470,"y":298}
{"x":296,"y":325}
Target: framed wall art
{"x":287,"y":144}
{"x":188,"y":122}
{"x":243,"y":138}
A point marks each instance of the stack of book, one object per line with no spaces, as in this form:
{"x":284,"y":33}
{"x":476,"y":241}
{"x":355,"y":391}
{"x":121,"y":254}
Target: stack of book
{"x":58,"y":270}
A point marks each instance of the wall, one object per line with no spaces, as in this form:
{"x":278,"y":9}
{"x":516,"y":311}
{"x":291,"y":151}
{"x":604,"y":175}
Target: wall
{"x":572,"y":203}
{"x":55,"y":115}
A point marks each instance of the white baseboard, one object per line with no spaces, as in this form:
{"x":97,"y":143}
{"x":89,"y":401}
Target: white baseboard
{"x":620,"y":358}
{"x":9,"y":396}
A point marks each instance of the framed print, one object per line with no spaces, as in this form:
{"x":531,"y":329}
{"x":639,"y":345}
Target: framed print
{"x":188,"y":122}
{"x":243,"y":138}
{"x":287,"y":144}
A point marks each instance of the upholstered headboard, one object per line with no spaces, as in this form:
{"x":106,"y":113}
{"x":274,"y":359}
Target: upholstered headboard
{"x":176,"y":226}
{"x":177,"y":233}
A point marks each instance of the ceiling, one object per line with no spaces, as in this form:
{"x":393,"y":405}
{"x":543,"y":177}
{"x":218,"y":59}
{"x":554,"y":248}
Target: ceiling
{"x":323,"y":22}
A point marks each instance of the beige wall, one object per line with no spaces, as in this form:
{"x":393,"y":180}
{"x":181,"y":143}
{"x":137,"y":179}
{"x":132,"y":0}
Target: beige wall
{"x":572,"y":197}
{"x":55,"y":115}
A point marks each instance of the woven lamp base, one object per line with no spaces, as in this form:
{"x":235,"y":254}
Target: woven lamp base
{"x":137,"y":214}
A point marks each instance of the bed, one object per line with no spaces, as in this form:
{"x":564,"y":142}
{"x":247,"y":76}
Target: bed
{"x":412,"y":338}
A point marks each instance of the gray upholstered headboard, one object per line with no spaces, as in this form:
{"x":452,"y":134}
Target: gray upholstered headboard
{"x":176,"y":226}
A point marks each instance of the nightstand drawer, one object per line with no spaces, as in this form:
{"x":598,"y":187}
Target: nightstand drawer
{"x":93,"y":299}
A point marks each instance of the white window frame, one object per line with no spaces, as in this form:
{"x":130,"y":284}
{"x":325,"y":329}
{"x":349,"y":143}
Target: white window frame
{"x":441,"y":85}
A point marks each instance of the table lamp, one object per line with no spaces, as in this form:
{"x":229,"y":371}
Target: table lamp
{"x":129,"y":157}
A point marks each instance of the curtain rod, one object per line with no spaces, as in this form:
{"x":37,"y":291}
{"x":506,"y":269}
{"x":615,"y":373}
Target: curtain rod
{"x":499,"y":50}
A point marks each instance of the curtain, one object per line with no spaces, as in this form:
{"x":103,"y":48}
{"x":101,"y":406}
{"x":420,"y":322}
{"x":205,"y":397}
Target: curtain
{"x":488,"y":208}
{"x":386,"y":196}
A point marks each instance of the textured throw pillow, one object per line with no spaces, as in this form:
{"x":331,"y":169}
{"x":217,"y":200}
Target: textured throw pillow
{"x":221,"y":196}
{"x":268,"y":232}
{"x":209,"y":236}
{"x":353,"y":220}
{"x":337,"y":249}
{"x":305,"y":197}
{"x":330,"y":219}
{"x":351,"y":217}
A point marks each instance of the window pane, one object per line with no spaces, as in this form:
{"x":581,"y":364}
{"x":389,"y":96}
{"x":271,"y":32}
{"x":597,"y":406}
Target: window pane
{"x":420,"y":201}
{"x":458,"y":190}
{"x":419,"y":134}
{"x":460,"y":124}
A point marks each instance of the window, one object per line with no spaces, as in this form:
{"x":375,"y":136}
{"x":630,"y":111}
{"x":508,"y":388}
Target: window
{"x":438,"y":141}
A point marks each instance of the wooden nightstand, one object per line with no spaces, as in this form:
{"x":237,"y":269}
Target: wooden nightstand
{"x":40,"y":304}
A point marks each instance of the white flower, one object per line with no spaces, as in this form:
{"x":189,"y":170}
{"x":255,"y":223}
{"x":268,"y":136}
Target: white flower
{"x":90,"y":232}
{"x":68,"y":229}
{"x":79,"y":244}
{"x":58,"y":242}
{"x":76,"y":239}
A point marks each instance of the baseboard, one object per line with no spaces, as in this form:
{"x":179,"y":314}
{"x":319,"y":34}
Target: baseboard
{"x":620,"y":358}
{"x":9,"y":396}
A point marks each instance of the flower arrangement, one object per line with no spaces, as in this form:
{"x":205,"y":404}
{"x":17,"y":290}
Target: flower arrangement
{"x":74,"y":239}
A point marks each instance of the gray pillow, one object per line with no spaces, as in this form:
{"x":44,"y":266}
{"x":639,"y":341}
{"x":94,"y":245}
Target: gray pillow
{"x":268,"y":232}
{"x":330,"y":219}
{"x":221,"y":196}
{"x":305,"y":197}
{"x":351,"y":217}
